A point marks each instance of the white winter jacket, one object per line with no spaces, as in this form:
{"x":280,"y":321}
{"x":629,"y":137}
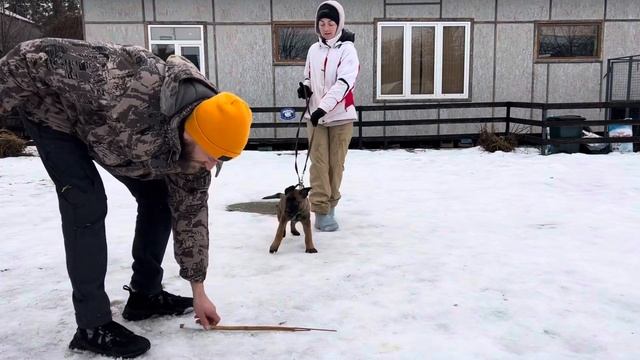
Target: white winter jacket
{"x":330,"y":71}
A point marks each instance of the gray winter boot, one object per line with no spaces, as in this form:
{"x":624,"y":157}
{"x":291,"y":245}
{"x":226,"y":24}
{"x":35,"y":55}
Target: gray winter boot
{"x":325,"y":222}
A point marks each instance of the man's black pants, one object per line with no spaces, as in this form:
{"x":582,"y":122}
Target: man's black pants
{"x":83,"y":207}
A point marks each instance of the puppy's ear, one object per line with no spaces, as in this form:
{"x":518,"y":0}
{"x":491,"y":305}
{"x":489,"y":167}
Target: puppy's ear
{"x":304,"y":192}
{"x":289,"y":189}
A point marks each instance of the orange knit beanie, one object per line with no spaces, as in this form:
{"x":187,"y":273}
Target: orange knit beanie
{"x":220,"y":125}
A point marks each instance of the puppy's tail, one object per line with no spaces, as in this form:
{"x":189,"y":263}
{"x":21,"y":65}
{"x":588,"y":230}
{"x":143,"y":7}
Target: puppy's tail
{"x":274,"y":196}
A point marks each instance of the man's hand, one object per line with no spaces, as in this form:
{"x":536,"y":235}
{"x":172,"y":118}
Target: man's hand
{"x":205,"y":311}
{"x":316,"y":116}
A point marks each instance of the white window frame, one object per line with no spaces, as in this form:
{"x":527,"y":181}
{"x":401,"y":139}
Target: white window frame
{"x":406,"y":88}
{"x":178,"y":44}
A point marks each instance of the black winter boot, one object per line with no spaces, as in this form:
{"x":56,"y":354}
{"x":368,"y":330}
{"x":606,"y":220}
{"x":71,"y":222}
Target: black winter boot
{"x":141,"y":306}
{"x":110,"y":339}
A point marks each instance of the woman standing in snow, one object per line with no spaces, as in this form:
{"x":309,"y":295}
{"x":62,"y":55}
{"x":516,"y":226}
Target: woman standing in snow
{"x":330,"y":75}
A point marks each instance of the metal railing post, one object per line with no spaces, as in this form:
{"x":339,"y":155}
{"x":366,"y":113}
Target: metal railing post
{"x":360,"y":128}
{"x":507,"y":123}
{"x":627,"y":110}
{"x":544,"y":150}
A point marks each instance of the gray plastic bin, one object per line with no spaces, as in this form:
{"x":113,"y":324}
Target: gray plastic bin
{"x":565,"y":132}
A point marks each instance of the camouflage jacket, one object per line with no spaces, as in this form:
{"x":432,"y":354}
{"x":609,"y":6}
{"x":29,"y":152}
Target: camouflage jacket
{"x":120,"y":101}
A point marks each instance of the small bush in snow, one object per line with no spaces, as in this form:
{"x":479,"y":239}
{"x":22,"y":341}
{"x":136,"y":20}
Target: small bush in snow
{"x":492,"y":142}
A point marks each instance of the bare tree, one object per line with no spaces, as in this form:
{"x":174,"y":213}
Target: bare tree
{"x":294,"y":43}
{"x":569,"y":41}
{"x":22,"y":20}
{"x":65,"y":20}
{"x":14,"y":28}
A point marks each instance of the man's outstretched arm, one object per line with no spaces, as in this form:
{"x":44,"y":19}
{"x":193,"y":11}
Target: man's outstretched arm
{"x":188,"y":201}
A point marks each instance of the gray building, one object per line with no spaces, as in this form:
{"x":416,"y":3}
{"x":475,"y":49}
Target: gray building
{"x":410,"y":51}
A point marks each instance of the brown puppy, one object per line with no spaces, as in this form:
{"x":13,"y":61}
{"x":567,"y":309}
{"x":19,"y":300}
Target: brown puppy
{"x":293,"y":206}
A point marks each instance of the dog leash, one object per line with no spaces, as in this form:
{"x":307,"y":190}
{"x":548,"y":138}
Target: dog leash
{"x":301,"y":177}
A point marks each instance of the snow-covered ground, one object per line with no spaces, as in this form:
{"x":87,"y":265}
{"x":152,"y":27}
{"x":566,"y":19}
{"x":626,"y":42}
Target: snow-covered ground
{"x":450,"y":254}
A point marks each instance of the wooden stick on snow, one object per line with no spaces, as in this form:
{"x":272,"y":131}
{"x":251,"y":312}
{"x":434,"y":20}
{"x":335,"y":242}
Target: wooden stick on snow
{"x":259,"y":328}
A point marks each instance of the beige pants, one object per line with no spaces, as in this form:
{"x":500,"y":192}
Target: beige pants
{"x":328,"y":153}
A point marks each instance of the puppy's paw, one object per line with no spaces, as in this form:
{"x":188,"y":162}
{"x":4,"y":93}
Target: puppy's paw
{"x":295,"y":232}
{"x":311,"y":251}
{"x":273,"y":250}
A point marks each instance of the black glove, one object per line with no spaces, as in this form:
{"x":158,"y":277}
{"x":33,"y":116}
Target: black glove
{"x":301,"y":91}
{"x":316,"y":116}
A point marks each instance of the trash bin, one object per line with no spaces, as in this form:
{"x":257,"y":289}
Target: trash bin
{"x":565,"y":132}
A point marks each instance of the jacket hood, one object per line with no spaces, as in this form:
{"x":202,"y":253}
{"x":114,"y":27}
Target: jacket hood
{"x":177,"y":69}
{"x":344,"y":36}
{"x":347,"y":36}
{"x":336,"y":5}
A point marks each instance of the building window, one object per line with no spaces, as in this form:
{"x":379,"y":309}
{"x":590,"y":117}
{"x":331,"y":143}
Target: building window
{"x":292,"y":41}
{"x":566,"y":42}
{"x":184,"y":40}
{"x":423,"y":60}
